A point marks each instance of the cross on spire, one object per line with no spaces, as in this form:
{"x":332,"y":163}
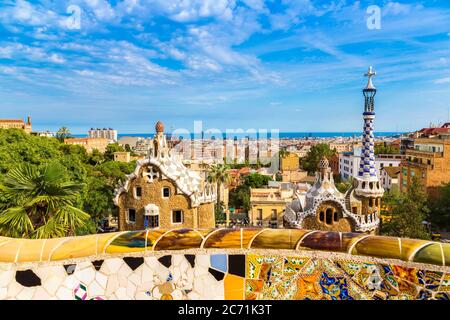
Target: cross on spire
{"x":370,"y":73}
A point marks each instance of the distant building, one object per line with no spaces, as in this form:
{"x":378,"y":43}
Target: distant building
{"x":89,"y":143}
{"x":46,"y":134}
{"x":267,"y":205}
{"x":389,"y":177}
{"x":163,"y":193}
{"x":109,"y":133}
{"x":433,"y":132}
{"x":334,"y":163}
{"x":341,"y":147}
{"x":290,"y":162}
{"x":290,"y":168}
{"x":122,"y":156}
{"x":429,"y":161}
{"x":16,"y":124}
{"x":349,"y":162}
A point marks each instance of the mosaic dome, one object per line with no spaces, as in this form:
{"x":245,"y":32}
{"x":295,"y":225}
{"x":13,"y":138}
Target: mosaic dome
{"x":159,"y":127}
{"x":323,"y":163}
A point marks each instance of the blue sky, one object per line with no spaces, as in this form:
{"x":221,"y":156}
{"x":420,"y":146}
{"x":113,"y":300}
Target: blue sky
{"x":287,"y":65}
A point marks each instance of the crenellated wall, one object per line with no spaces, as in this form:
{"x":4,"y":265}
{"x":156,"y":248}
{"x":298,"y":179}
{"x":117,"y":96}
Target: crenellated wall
{"x":224,"y":264}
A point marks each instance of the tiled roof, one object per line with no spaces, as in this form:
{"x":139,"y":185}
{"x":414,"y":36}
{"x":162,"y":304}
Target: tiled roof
{"x":393,"y":172}
{"x":11,"y":120}
{"x":433,"y":130}
{"x":358,"y":244}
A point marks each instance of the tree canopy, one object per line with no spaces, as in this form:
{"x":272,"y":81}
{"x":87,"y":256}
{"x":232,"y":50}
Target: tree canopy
{"x":406,"y":212}
{"x":96,"y":173}
{"x":384,"y":148}
{"x":311,"y":160}
{"x":240,"y":197}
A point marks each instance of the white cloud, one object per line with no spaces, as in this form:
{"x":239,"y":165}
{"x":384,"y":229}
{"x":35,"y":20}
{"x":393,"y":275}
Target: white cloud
{"x":396,"y":8}
{"x":19,"y":52}
{"x":442,"y":80}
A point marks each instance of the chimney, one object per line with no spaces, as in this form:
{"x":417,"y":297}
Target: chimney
{"x":29,"y":121}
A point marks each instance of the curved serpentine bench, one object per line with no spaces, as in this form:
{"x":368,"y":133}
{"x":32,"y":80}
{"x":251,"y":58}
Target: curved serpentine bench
{"x":30,"y":250}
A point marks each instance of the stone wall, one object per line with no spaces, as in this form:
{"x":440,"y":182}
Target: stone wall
{"x":152,"y":193}
{"x":224,"y":264}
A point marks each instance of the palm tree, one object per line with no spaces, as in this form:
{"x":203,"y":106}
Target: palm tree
{"x":40,"y":203}
{"x":63,"y":133}
{"x":219,"y":175}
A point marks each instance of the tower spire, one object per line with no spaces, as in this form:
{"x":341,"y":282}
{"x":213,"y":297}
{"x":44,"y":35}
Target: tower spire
{"x":368,"y":183}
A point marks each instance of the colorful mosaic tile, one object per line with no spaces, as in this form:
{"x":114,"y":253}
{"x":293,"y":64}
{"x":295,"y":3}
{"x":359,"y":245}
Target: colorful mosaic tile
{"x":80,"y":292}
{"x":130,"y":267}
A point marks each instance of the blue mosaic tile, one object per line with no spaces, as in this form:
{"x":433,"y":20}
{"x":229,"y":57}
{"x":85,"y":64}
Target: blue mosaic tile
{"x":219,"y":262}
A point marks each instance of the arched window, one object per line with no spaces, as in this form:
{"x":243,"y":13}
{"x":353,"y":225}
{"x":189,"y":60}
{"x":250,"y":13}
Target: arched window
{"x":370,"y":202}
{"x":329,"y":216}
{"x":321,"y":216}
{"x":335,"y":216}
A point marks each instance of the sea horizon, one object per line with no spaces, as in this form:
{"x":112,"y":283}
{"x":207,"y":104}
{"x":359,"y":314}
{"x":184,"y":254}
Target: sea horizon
{"x":282,"y":135}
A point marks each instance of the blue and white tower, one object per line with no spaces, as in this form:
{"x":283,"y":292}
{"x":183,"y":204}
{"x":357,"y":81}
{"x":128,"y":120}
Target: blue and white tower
{"x":368,"y":185}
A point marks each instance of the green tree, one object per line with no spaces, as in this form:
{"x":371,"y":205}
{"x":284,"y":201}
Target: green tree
{"x":311,"y":160}
{"x":95,"y":158}
{"x":110,"y":149}
{"x":385,"y":148}
{"x":407,"y":211}
{"x":219,"y":175}
{"x":63,"y":133}
{"x":440,"y":208}
{"x":41,"y":202}
{"x":343,"y":185}
{"x":240,"y":197}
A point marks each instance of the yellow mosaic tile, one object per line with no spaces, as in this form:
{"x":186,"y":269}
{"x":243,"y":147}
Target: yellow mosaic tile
{"x":103,"y":239}
{"x":131,"y":241}
{"x":378,"y":246}
{"x":204,"y":232}
{"x":430,"y":254}
{"x":49,"y":246}
{"x":31,"y":250}
{"x":9,"y":250}
{"x":76,"y":247}
{"x":224,"y":238}
{"x":179,"y":239}
{"x":234,"y":287}
{"x":277,"y":239}
{"x":409,"y":246}
{"x":153,"y":236}
{"x":248,"y":235}
{"x":446,"y":249}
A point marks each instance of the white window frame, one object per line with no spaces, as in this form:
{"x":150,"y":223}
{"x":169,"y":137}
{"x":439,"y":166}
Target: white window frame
{"x":128,"y":216}
{"x":162,"y":193}
{"x":135,"y":192}
{"x":182,"y":216}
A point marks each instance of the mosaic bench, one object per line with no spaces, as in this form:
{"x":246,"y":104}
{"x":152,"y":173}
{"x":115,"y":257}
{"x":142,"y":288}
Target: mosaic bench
{"x":235,"y":264}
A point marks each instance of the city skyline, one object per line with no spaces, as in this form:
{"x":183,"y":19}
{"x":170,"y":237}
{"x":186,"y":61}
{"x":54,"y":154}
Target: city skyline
{"x":295,"y":67}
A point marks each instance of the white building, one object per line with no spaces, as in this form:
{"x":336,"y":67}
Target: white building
{"x":110,"y":134}
{"x":349,"y":162}
{"x":389,"y":177}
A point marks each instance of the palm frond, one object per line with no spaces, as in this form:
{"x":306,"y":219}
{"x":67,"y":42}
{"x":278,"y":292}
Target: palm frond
{"x":71,"y":217}
{"x":15,"y":221}
{"x":51,"y":229}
